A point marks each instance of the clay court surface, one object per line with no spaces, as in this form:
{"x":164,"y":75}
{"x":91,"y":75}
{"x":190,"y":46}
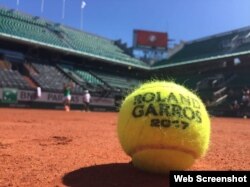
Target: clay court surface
{"x":56,"y":148}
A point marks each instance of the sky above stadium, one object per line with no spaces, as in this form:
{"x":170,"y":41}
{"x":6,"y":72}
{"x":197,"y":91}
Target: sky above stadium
{"x":116,"y":19}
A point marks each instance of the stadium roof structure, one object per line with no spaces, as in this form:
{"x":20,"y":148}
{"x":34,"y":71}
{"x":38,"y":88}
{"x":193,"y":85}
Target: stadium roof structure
{"x":229,"y":44}
{"x":17,"y":26}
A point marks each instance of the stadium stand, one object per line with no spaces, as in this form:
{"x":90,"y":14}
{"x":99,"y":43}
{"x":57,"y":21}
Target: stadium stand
{"x":17,"y":25}
{"x":39,"y":53}
{"x":117,"y":81}
{"x":11,"y":78}
{"x":49,"y":78}
{"x":241,"y":78}
{"x":189,"y":82}
{"x":51,"y":34}
{"x":229,"y":97}
{"x":209,"y":47}
{"x":83,"y":77}
{"x":4,"y":64}
{"x":214,"y":66}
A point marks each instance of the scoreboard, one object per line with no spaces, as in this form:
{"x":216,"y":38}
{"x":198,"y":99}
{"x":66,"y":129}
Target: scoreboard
{"x":150,"y":39}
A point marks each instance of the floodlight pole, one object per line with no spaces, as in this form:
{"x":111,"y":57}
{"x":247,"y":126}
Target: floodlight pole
{"x":81,"y":18}
{"x":82,"y":7}
{"x":42,"y":6}
{"x":63,"y":9}
{"x":17,"y":4}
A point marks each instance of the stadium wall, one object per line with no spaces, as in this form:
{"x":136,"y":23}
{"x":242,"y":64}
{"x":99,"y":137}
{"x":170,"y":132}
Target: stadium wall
{"x":29,"y":99}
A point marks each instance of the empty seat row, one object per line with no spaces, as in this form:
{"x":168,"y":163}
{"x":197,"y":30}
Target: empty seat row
{"x":12,"y":79}
{"x":51,"y":79}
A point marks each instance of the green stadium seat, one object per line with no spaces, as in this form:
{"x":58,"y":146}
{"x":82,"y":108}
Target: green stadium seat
{"x":17,"y":24}
{"x":222,"y":44}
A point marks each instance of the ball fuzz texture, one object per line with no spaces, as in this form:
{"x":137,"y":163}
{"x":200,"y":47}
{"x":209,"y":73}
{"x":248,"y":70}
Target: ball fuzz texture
{"x":163,"y":126}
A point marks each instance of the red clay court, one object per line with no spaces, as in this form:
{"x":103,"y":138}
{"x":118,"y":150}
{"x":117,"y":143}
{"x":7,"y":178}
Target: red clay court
{"x":56,"y":148}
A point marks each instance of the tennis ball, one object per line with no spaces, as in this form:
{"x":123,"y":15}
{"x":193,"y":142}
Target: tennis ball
{"x":163,"y":126}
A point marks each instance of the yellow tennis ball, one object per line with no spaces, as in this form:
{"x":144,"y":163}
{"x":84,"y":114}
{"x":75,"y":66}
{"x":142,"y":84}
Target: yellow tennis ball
{"x":163,"y":126}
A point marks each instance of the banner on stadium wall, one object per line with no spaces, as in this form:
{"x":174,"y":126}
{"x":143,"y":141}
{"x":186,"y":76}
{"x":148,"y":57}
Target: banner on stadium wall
{"x":9,"y":95}
{"x":150,"y":39}
{"x":101,"y":101}
{"x":25,"y":95}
